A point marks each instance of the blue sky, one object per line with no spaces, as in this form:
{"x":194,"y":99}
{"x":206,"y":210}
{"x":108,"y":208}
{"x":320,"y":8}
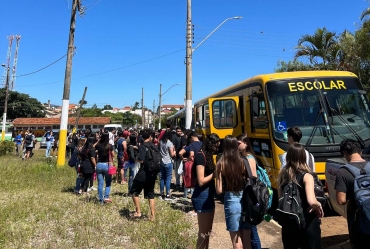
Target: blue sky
{"x":126,"y":45}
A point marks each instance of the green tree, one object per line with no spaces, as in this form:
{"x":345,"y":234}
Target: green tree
{"x":128,"y":119}
{"x":135,"y":106}
{"x":320,"y":46}
{"x":94,"y":106}
{"x":292,"y":66}
{"x":365,"y":13}
{"x":91,"y":112}
{"x":21,"y":105}
{"x":116,"y":118}
{"x":108,"y":107}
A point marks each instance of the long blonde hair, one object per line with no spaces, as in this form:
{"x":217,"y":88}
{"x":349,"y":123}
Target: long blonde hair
{"x":295,"y":164}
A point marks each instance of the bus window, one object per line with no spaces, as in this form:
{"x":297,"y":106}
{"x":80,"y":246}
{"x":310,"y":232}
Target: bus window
{"x":258,"y":111}
{"x":206,"y":116}
{"x":224,"y":113}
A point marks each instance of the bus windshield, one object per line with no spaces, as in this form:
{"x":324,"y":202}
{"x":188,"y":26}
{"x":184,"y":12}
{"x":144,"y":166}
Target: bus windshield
{"x":296,"y":102}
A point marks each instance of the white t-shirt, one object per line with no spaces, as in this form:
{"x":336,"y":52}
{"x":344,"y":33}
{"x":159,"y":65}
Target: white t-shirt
{"x":308,"y":155}
{"x":111,"y":138}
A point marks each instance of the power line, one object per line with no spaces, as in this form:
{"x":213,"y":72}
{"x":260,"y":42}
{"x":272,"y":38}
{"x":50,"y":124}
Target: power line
{"x":90,"y":75}
{"x":41,"y":68}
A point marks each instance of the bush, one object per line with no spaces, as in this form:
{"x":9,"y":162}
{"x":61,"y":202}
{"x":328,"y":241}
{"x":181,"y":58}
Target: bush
{"x":6,"y":147}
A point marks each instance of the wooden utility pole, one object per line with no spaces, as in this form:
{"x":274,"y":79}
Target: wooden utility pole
{"x":79,"y":110}
{"x":142,"y":109}
{"x":160,"y":106}
{"x":153,"y":115}
{"x":67,"y":85}
{"x":188,"y":61}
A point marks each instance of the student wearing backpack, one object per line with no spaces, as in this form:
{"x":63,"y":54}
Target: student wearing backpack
{"x":167,"y":151}
{"x":87,"y":163}
{"x":307,"y":233}
{"x":145,"y":178}
{"x":204,"y":190}
{"x":344,"y":186}
{"x":29,"y":141}
{"x":294,"y":136}
{"x":246,"y":150}
{"x":230,"y":179}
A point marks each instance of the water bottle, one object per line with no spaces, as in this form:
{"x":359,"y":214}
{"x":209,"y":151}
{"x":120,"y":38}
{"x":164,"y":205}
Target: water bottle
{"x":267,"y":217}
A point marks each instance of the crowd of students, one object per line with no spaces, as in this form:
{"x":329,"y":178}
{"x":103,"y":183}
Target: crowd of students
{"x":226,"y":177}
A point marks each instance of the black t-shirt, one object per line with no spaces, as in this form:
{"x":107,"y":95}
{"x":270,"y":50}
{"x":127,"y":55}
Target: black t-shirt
{"x":102,"y":155}
{"x":144,"y":174}
{"x":86,"y":164}
{"x":345,"y":183}
{"x":200,"y":161}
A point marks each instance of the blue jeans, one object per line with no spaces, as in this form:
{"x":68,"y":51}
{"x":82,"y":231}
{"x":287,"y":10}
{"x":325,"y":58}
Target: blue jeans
{"x":255,"y":238}
{"x":102,"y":173}
{"x":133,"y":168}
{"x":48,"y":149}
{"x":166,"y":176}
{"x":233,"y":212}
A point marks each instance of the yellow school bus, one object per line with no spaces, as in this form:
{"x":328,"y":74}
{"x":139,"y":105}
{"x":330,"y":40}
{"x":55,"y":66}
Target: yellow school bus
{"x":328,"y":106}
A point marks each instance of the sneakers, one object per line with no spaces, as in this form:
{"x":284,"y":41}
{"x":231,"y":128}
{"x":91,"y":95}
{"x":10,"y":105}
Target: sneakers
{"x":93,"y":188}
{"x":162,"y":197}
{"x":169,"y":198}
{"x":88,"y":189}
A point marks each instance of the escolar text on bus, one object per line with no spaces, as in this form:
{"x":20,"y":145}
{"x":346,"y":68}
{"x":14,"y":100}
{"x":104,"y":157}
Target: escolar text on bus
{"x":308,"y":85}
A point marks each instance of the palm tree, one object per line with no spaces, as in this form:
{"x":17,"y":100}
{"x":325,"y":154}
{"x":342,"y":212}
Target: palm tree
{"x":365,"y":13}
{"x":321,"y":45}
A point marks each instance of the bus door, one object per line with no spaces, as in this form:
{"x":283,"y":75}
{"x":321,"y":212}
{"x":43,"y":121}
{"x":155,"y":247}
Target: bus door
{"x":225,"y":116}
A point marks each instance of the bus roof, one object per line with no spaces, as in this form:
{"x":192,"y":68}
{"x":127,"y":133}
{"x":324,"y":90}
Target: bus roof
{"x":278,"y":76}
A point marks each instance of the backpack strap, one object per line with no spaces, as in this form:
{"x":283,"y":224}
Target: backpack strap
{"x":356,"y":171}
{"x":310,"y":161}
{"x":247,"y":167}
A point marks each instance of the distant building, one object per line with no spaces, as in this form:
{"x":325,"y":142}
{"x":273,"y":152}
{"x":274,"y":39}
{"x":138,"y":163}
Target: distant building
{"x":39,"y":125}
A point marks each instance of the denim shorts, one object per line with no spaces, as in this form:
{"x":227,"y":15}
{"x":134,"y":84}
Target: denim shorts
{"x":203,"y":199}
{"x":233,"y":211}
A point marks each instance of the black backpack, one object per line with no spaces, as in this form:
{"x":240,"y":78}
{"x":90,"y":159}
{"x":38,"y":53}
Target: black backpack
{"x":153,"y":158}
{"x":28,"y":139}
{"x":289,"y":212}
{"x":131,"y":153}
{"x":319,"y":190}
{"x":255,"y":199}
{"x":73,"y":160}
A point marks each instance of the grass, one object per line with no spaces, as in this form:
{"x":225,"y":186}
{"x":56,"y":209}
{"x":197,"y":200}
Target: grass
{"x":38,"y":210}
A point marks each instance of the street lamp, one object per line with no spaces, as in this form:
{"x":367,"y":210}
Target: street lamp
{"x":160,"y":100}
{"x":189,"y":55}
{"x":6,"y":101}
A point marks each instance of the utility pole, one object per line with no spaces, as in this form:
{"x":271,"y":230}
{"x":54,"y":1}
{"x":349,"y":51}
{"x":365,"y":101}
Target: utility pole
{"x":67,"y":84}
{"x":153,"y":115}
{"x":142,"y":108}
{"x":5,"y":103}
{"x":160,"y":106}
{"x":79,"y":110}
{"x":189,"y":54}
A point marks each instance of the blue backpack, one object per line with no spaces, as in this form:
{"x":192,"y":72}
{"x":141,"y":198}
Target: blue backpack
{"x":362,"y":196}
{"x":262,"y":175}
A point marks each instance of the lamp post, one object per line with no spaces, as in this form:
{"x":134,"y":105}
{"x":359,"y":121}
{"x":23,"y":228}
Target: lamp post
{"x":160,"y":101}
{"x":188,"y":60}
{"x":5,"y":102}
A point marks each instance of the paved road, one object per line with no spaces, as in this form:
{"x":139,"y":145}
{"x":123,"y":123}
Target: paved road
{"x":333,"y":231}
